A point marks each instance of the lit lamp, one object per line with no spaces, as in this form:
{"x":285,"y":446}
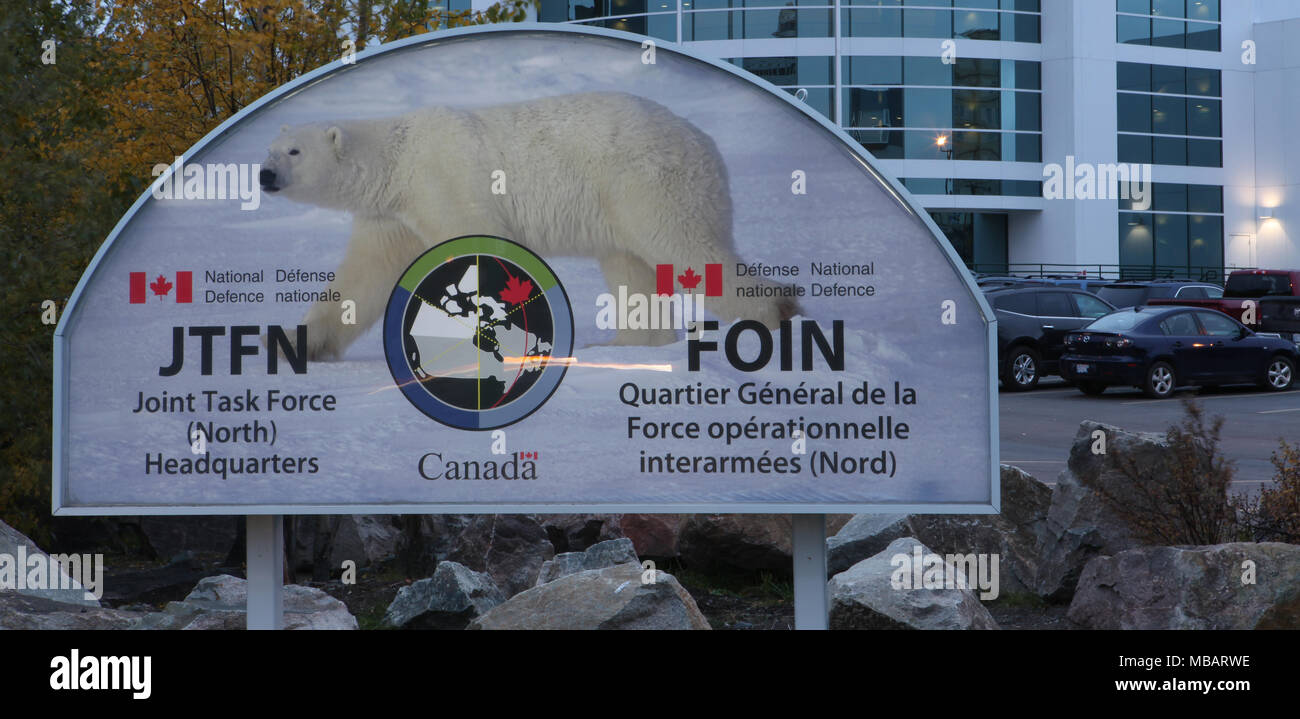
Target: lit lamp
{"x":942,"y":143}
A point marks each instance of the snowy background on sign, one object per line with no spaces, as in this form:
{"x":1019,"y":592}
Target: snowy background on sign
{"x":370,"y":446}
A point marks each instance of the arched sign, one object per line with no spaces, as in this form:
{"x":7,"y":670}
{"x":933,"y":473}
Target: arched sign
{"x":525,"y":268}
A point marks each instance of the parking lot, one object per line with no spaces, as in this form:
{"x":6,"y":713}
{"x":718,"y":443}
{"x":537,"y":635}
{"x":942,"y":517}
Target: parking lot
{"x":1038,"y":426}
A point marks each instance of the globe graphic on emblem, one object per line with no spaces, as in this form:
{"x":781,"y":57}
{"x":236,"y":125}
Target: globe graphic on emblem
{"x":477,"y":333}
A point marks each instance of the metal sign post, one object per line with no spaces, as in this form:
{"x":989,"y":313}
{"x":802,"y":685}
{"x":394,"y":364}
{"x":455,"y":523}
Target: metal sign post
{"x":265,"y":571}
{"x":809,"y":550}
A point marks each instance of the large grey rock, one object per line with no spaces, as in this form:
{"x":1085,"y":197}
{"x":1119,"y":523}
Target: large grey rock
{"x":863,"y":597}
{"x":367,"y":539}
{"x":23,"y":611}
{"x":509,"y":547}
{"x":577,"y":532}
{"x":1191,"y":588}
{"x":1078,"y":526}
{"x":610,"y":598}
{"x":743,"y":541}
{"x":221,"y":602}
{"x":599,"y":556}
{"x":654,"y":535}
{"x":1013,"y":534}
{"x":16,"y":548}
{"x":170,"y":536}
{"x":866,"y":535}
{"x":449,"y":599}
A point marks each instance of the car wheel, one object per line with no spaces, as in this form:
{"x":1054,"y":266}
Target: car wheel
{"x":1092,"y":388}
{"x":1280,"y":374}
{"x":1022,"y":370}
{"x":1161,"y":381}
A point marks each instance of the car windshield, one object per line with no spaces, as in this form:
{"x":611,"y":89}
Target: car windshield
{"x":1118,"y":322}
{"x":1123,"y":296}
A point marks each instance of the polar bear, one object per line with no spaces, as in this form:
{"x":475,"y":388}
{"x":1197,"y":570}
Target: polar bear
{"x":606,"y":175}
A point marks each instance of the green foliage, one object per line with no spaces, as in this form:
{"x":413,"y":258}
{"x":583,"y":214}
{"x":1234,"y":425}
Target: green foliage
{"x":1274,"y":514}
{"x":1181,"y":499}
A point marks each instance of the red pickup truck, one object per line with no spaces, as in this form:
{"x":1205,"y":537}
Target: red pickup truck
{"x":1264,"y":300}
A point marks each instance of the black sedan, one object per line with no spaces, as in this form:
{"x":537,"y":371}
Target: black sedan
{"x":1158,"y":349}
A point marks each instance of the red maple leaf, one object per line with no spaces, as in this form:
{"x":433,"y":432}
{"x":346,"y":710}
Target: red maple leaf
{"x":690,"y":280}
{"x":516,"y":292}
{"x":160,"y":286}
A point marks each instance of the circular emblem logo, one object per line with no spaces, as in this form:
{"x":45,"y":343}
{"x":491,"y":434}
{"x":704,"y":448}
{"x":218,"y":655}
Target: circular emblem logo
{"x":475,"y":332}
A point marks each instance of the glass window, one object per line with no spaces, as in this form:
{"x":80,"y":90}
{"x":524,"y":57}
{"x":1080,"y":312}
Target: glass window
{"x":1133,"y":30}
{"x":1028,"y":107}
{"x":1204,"y":198}
{"x":1170,"y":79}
{"x":1134,"y":112}
{"x":707,"y":26}
{"x":1024,"y":28}
{"x":927,"y":71}
{"x":1205,"y":153}
{"x":975,"y":25}
{"x":1205,"y":242}
{"x":1201,"y":81}
{"x":1029,"y":148}
{"x":873,"y":71}
{"x":1217,"y":324}
{"x":1202,"y":36}
{"x":873,"y":108}
{"x":1141,"y":7}
{"x":1118,"y":322}
{"x":1021,"y":303}
{"x":1169,"y":150}
{"x":1204,"y":117}
{"x":977,"y":109}
{"x":972,"y":72}
{"x":1180,"y":325}
{"x":1168,"y":8}
{"x":1170,"y":197}
{"x":1054,"y":304}
{"x":928,"y":108}
{"x":1168,"y":33}
{"x":927,"y":23}
{"x":1135,"y":245}
{"x":1214,"y":293}
{"x":1135,"y":148}
{"x":1190,"y":293}
{"x":1029,"y":75}
{"x":979,"y":146}
{"x":1171,"y":240}
{"x":1203,"y":9}
{"x":1134,"y":76}
{"x":1169,"y":115}
{"x":872,"y":22}
{"x":1090,"y":306}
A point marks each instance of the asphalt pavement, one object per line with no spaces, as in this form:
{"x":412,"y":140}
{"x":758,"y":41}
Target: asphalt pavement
{"x":1038,"y":426}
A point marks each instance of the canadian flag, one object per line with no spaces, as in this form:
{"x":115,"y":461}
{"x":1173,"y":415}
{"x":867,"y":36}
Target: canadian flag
{"x":666,"y":279}
{"x":161,"y":286}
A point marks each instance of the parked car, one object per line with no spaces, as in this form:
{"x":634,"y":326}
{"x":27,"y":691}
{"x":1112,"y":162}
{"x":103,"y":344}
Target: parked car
{"x":1032,"y":325}
{"x":1141,"y":292}
{"x":1255,"y":286}
{"x":1160,"y":348}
